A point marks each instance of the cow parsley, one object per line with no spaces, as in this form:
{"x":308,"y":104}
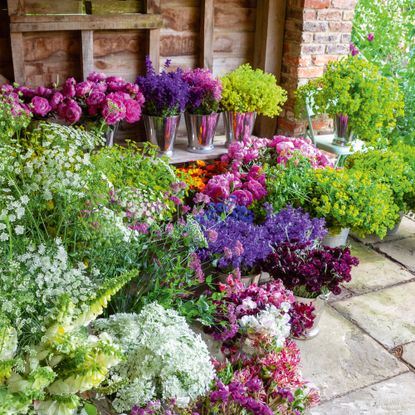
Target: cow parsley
{"x":165,"y":358}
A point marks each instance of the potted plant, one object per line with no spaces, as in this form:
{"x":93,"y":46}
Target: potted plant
{"x":166,"y":95}
{"x":312,"y":272}
{"x":351,"y":199}
{"x":247,"y":92}
{"x":360,"y":99}
{"x":201,"y":114}
{"x":390,"y":168}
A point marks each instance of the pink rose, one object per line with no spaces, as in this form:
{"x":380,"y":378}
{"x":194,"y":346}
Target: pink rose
{"x":68,"y":88}
{"x":83,"y":88}
{"x":95,"y":98}
{"x":56,"y":99}
{"x":70,"y":111}
{"x":40,"y":106}
{"x":132,"y":111}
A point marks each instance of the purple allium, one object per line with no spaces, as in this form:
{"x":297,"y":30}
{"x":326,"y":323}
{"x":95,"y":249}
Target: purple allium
{"x":166,"y":93}
{"x":370,"y":37}
{"x":353,"y":49}
{"x":204,"y":91}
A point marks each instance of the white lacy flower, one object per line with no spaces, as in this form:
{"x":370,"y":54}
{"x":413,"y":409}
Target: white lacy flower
{"x":19,"y":229}
{"x":271,"y":322}
{"x":165,"y":358}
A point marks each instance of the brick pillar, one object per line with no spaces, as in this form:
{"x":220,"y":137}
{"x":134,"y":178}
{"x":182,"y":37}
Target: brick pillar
{"x":316,"y":32}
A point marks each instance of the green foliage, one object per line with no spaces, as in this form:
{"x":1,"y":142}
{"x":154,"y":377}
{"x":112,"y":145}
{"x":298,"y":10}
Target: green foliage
{"x":392,"y":50}
{"x":386,"y":167}
{"x":249,"y":90}
{"x":289,"y":183}
{"x":355,"y":87}
{"x":352,"y":199}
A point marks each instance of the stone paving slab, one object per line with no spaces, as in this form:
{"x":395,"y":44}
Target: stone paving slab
{"x":387,"y":315}
{"x":342,"y":358}
{"x":395,"y":396}
{"x":406,"y":230}
{"x":402,"y":251}
{"x":408,"y":354}
{"x":374,"y":271}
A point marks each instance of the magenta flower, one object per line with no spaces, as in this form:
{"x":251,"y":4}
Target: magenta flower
{"x":68,"y":88}
{"x":83,"y":88}
{"x":70,"y":111}
{"x":96,"y":77}
{"x":41,"y":106}
{"x":95,"y":98}
{"x":113,"y":110}
{"x":132,"y":111}
{"x":370,"y":37}
{"x":56,"y":99}
{"x":43,"y":91}
{"x":353,"y":49}
{"x":115,"y":83}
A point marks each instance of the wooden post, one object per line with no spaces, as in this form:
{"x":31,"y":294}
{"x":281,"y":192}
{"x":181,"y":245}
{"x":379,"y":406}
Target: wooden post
{"x":15,"y":7}
{"x":269,"y":39}
{"x":16,"y":40}
{"x":153,"y":44}
{"x":206,"y":34}
{"x":87,"y":52}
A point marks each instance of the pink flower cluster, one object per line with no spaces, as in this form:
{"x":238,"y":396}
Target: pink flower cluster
{"x":277,"y":150}
{"x":245,"y":188}
{"x":287,"y":147}
{"x":110,"y":99}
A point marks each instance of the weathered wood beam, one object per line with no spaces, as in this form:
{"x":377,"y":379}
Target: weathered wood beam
{"x":206,"y":34}
{"x":87,"y":37}
{"x":16,"y":40}
{"x":153,"y":42}
{"x":268,"y":50}
{"x":41,"y":23}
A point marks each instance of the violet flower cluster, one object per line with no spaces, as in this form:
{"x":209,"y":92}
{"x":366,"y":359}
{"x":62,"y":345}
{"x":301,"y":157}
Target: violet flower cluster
{"x":11,"y":96}
{"x":109,"y":99}
{"x":240,"y":243}
{"x":205,"y":91}
{"x":313,"y":270}
{"x":166,"y":93}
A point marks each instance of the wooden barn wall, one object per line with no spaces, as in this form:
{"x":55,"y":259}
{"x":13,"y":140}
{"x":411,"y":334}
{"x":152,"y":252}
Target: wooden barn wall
{"x":6,"y":66}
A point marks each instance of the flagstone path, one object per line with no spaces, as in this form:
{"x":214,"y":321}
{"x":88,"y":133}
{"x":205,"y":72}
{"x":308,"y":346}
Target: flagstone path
{"x":363,"y":360}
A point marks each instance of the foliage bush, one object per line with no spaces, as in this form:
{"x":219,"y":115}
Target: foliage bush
{"x":355,"y":87}
{"x":391,"y":46}
{"x":248,"y":90}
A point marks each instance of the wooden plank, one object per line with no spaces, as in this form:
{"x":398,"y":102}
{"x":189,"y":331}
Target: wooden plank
{"x":18,"y":57}
{"x":15,"y":7}
{"x":117,"y":6}
{"x":238,"y":19}
{"x":84,"y":22}
{"x":181,"y":19}
{"x":268,"y":50}
{"x":206,"y":33}
{"x":87,"y":40}
{"x":153,"y":42}
{"x":182,"y":44}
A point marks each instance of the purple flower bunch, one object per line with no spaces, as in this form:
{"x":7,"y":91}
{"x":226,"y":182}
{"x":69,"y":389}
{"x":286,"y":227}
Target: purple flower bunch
{"x":309,"y":270}
{"x":205,"y":91}
{"x":246,"y":151}
{"x":166,"y":93}
{"x":110,"y":99}
{"x":239,"y":243}
{"x":12,"y":98}
{"x":245,"y":188}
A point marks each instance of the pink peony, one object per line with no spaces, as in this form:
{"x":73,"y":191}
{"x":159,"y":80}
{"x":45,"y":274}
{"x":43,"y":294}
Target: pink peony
{"x":56,"y":99}
{"x":26,"y":92}
{"x":43,"y":91}
{"x":132,"y":111}
{"x":68,"y":88}
{"x":95,"y":98}
{"x":243,"y":197}
{"x":115,"y":83}
{"x":96,"y":77}
{"x":41,"y":106}
{"x":83,"y":88}
{"x":70,"y":111}
{"x":113,"y":110}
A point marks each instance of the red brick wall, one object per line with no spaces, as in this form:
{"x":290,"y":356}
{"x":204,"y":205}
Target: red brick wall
{"x":316,"y":32}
